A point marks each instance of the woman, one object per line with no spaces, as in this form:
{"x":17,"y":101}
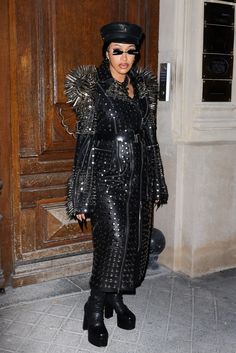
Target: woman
{"x":118,"y":175}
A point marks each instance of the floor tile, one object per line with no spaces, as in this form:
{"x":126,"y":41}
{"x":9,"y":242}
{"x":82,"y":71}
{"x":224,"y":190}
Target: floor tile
{"x":4,"y":324}
{"x":45,"y":334}
{"x":179,"y":332}
{"x":59,"y":310}
{"x":73,"y":326}
{"x":19,"y":329}
{"x":65,"y":338}
{"x":62,"y":349}
{"x":178,"y":346}
{"x":77,"y":313}
{"x":175,"y":314}
{"x":82,"y":281}
{"x":31,"y":346}
{"x":130,"y":336}
{"x":121,"y":347}
{"x":51,"y":321}
{"x":9,"y":313}
{"x":38,"y":291}
{"x":151,"y":339}
{"x":159,"y":347}
{"x":28,"y":317}
{"x":69,"y":300}
{"x":39,"y":307}
{"x":10,"y":342}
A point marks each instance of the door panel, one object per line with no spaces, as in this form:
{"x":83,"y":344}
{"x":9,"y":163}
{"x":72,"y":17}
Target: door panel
{"x":47,"y":39}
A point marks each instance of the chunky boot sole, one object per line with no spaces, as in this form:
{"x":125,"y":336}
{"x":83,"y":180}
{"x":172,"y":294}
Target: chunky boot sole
{"x":124,"y":322}
{"x":97,"y":339}
{"x":85,"y":323}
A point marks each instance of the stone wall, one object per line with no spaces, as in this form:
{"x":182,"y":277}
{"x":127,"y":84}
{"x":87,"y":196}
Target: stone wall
{"x":198,"y":145}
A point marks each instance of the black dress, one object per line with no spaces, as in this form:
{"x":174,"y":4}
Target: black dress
{"x":118,"y":174}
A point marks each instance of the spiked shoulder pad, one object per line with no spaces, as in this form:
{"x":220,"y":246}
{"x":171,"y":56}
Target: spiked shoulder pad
{"x":147,"y":83}
{"x":80,"y":86}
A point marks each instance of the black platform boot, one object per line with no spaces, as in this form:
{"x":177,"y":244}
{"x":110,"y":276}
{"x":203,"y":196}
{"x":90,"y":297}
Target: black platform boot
{"x":93,"y":318}
{"x":125,"y":318}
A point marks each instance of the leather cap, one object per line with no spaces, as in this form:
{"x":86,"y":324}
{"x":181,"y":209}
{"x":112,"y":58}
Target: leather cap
{"x":121,"y":32}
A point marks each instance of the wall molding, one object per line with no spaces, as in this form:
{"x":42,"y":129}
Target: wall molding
{"x":194,"y":121}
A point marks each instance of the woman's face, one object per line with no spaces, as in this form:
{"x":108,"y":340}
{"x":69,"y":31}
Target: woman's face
{"x":121,"y":58}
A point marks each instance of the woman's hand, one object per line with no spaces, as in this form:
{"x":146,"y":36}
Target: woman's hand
{"x":157,"y":204}
{"x":82,"y":220}
{"x":80,"y":216}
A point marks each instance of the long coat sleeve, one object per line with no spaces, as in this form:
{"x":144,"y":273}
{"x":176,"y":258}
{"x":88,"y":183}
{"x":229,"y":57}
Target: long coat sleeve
{"x":158,"y":184}
{"x":158,"y":191}
{"x":79,"y":86}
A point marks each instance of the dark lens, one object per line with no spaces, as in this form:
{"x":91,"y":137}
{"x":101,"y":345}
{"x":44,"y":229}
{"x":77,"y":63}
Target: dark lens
{"x":117,"y":52}
{"x":133,"y":52}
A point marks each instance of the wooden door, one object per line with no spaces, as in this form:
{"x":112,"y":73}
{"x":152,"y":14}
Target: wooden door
{"x":41,"y":40}
{"x":2,"y":281}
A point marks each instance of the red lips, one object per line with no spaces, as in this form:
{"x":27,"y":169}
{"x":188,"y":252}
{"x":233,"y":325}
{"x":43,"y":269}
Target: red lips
{"x":123,"y":66}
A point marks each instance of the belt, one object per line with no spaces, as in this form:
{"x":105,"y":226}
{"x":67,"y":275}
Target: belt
{"x":124,"y":136}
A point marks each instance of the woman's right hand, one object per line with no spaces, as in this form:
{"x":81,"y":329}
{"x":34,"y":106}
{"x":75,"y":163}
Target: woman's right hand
{"x":80,"y":216}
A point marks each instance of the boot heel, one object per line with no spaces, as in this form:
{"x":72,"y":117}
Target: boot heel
{"x":125,"y":318}
{"x":85,"y":322}
{"x":93,"y":319}
{"x":108,"y":311}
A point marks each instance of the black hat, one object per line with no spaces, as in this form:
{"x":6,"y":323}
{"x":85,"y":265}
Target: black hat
{"x":121,"y":32}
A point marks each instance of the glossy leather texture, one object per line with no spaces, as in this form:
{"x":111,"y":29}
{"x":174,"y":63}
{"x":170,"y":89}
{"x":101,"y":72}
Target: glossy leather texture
{"x":118,"y":174}
{"x":93,"y":319}
{"x":125,"y":318}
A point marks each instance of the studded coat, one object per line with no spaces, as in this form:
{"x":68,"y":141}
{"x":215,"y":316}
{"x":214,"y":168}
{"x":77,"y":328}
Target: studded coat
{"x":118,"y":174}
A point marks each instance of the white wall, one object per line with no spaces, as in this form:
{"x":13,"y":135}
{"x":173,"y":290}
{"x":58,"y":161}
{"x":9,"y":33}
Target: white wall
{"x":198,"y":145}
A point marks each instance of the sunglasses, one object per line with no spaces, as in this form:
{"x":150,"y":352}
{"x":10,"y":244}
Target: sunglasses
{"x":129,"y":52}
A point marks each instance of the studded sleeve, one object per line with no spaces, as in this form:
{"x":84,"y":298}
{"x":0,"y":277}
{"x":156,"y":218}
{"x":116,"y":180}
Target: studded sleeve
{"x":159,"y":191}
{"x":79,"y":89}
{"x":158,"y":184}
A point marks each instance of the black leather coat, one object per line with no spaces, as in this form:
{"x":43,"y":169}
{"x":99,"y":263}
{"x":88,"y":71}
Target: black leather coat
{"x":118,"y":175}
